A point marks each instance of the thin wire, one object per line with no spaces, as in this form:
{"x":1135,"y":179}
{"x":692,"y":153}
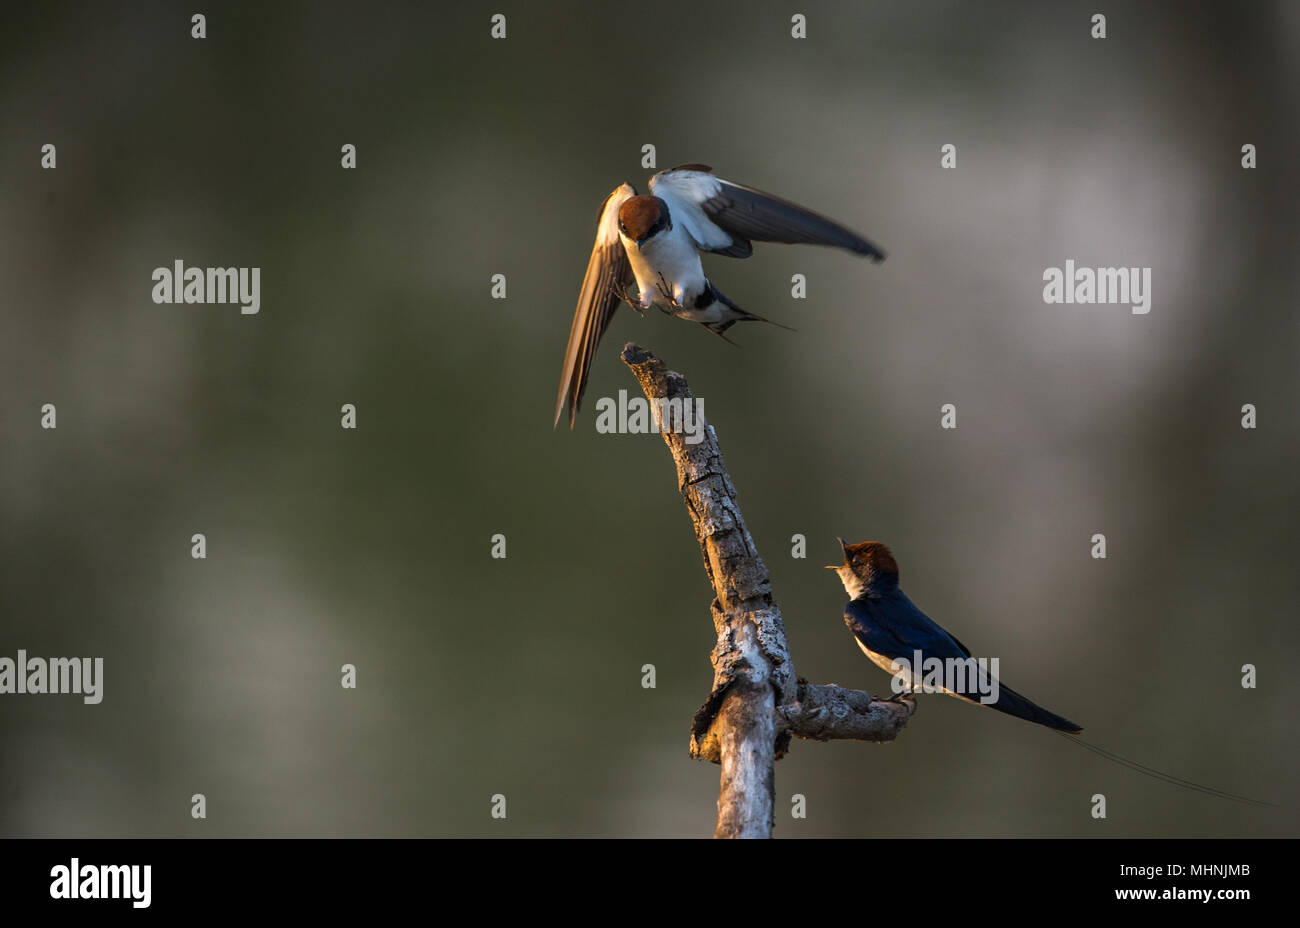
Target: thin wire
{"x":1166,"y":777}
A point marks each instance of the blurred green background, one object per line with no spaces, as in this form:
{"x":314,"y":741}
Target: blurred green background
{"x":522,"y":676}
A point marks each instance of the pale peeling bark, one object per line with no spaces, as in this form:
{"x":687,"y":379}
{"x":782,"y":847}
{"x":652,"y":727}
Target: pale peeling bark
{"x":757,"y":703}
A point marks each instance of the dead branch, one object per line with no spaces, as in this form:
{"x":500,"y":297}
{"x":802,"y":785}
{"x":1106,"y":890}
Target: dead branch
{"x":757,"y":703}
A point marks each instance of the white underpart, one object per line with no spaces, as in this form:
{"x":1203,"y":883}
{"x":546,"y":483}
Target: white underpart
{"x":909,"y":676}
{"x":672,"y":254}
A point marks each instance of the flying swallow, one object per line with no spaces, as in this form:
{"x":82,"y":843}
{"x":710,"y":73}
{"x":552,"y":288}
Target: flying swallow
{"x":888,"y":627}
{"x":656,"y":241}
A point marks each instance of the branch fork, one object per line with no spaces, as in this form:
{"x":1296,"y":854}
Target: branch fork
{"x":757,"y":703}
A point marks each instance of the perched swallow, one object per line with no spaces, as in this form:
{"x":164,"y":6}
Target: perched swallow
{"x":656,"y":241}
{"x":888,"y":627}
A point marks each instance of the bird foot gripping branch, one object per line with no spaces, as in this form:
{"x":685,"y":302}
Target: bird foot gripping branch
{"x":757,"y":703}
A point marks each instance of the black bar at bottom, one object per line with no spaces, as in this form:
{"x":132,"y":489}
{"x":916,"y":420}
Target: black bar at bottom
{"x":335,"y":877}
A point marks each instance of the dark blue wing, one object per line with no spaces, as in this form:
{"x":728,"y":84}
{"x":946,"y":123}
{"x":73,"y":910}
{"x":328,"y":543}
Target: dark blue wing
{"x":892,"y":625}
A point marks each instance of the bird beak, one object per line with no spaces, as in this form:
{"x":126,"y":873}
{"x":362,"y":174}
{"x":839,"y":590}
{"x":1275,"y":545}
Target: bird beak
{"x":842,"y":545}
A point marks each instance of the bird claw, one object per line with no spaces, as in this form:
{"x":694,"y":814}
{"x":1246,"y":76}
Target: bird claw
{"x":667,"y":293}
{"x":620,"y":291}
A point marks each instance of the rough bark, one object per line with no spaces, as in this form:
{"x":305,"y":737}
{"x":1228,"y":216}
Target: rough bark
{"x":757,"y":703}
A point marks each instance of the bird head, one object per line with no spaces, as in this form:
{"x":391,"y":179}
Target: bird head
{"x":868,"y":566}
{"x":641,"y":218}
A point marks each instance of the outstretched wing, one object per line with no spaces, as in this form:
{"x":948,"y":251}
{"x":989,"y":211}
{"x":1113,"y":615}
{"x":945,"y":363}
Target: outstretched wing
{"x":724,"y":217}
{"x":607,"y":271}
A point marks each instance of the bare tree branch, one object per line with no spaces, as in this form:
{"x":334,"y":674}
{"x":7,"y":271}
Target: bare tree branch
{"x":757,"y":703}
{"x":829,"y":713}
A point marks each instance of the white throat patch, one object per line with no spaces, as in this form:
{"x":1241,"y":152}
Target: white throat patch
{"x":853,"y":584}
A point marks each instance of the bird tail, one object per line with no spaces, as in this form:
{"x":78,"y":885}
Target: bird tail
{"x":1012,"y":703}
{"x":1167,"y":777}
{"x":717,"y":328}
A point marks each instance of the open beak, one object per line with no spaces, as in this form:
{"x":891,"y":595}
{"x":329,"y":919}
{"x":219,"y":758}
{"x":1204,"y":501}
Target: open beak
{"x":842,"y":545}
